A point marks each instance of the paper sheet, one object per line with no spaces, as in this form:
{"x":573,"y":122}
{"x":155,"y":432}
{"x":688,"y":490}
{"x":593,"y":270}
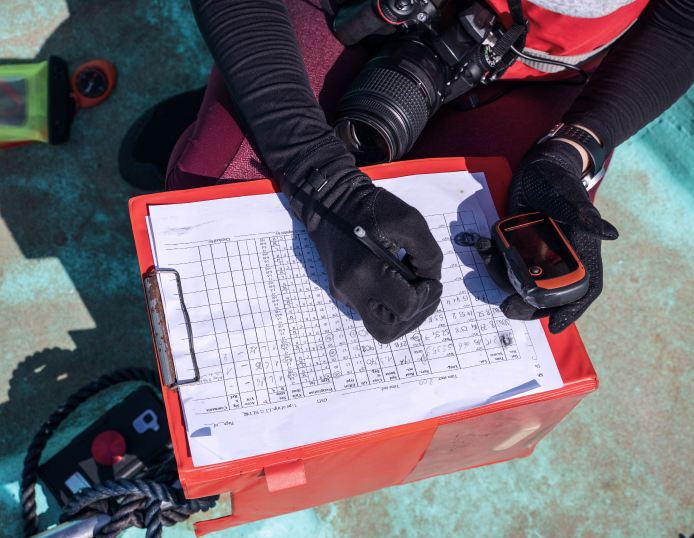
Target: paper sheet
{"x":544,"y":366}
{"x":282,"y":364}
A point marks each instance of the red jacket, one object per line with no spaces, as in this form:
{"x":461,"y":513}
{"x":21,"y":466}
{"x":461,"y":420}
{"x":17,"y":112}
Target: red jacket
{"x":565,"y":36}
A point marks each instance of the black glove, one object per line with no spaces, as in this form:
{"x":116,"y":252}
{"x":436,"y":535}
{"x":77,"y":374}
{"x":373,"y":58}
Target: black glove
{"x":338,"y":198}
{"x":549,"y":180}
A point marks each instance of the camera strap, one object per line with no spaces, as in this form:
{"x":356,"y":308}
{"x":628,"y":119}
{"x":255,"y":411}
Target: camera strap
{"x":514,"y":36}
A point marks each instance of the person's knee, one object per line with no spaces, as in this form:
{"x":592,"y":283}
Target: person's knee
{"x":178,"y":178}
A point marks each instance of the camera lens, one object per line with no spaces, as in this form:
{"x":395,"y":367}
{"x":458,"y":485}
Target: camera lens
{"x":386,"y":107}
{"x":365,"y":140}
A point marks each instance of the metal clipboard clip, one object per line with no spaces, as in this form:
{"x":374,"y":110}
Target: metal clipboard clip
{"x":155,"y":305}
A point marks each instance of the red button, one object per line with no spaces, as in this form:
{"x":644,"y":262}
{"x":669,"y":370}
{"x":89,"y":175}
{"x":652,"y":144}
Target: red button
{"x":108,"y":448}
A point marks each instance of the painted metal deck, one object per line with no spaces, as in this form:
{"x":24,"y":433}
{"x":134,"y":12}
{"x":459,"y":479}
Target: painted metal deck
{"x":71,"y":308}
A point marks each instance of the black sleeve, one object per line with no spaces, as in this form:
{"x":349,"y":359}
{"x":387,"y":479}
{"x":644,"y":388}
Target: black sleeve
{"x":257,"y":53}
{"x":255,"y":48}
{"x":642,"y":76}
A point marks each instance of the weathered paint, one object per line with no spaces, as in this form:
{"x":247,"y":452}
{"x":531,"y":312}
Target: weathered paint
{"x":621,"y":464}
{"x":33,"y":291}
{"x":25,"y":26}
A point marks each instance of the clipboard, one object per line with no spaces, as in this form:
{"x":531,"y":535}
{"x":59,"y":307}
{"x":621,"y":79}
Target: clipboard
{"x":277,"y":483}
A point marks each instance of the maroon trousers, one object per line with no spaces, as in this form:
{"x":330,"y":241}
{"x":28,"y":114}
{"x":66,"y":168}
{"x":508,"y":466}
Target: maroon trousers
{"x":216,"y":148}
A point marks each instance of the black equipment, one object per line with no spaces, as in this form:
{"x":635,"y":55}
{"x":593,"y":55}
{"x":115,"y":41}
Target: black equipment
{"x":88,"y":477}
{"x":586,"y":140}
{"x":436,"y":53}
{"x":119,"y":445}
{"x":541,"y":264}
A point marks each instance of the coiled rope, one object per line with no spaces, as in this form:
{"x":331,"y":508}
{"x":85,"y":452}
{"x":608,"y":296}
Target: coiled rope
{"x":129,"y":503}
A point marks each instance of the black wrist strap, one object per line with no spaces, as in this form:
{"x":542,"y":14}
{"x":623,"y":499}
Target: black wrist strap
{"x":583,"y":138}
{"x":315,"y":179}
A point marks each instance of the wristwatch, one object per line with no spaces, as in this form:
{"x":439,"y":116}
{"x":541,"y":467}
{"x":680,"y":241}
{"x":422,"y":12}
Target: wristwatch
{"x":587,"y":141}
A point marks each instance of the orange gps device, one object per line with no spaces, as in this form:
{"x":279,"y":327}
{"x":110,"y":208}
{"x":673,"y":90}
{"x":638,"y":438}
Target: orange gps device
{"x":541,"y":265}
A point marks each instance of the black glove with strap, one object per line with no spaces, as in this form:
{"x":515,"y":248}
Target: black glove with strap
{"x":549,"y":180}
{"x":330,"y":199}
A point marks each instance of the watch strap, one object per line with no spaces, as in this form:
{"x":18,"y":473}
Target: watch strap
{"x":587,"y":141}
{"x":590,"y":179}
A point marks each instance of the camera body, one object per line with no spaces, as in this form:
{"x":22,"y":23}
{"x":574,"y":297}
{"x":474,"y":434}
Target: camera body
{"x":436,"y":50}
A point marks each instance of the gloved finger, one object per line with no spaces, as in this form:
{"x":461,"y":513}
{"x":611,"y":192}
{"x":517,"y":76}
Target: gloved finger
{"x":589,"y":252}
{"x":385,"y":333}
{"x":514,"y":307}
{"x":405,"y":227}
{"x":372,"y":280}
{"x":384,"y":314}
{"x":494,"y":263}
{"x":563,"y":316}
{"x":389,"y":306}
{"x":565,"y":201}
{"x":587,"y":219}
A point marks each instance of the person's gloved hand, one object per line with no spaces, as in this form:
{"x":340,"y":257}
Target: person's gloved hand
{"x":389,"y":305}
{"x":548,"y":180}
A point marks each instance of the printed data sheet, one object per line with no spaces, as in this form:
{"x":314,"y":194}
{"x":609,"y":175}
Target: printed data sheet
{"x":282,"y":364}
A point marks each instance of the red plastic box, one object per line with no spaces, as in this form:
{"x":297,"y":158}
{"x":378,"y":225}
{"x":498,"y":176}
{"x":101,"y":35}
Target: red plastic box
{"x":290,"y":480}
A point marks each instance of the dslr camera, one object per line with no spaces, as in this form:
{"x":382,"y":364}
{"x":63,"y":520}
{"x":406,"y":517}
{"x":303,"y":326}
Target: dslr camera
{"x":434,"y":51}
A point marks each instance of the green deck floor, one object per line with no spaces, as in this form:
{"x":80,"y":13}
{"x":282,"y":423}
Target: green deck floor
{"x":71,"y":308}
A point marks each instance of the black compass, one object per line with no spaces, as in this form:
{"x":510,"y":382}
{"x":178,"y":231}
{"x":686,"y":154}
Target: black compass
{"x":92,"y":82}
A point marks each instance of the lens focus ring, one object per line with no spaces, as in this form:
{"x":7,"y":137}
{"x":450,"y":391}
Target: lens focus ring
{"x":400,"y":90}
{"x":391,"y":98}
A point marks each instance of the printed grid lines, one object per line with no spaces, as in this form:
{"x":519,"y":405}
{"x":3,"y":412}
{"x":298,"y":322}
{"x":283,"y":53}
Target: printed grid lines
{"x":335,"y":351}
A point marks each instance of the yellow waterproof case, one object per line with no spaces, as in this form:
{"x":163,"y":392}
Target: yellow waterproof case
{"x":35,"y":102}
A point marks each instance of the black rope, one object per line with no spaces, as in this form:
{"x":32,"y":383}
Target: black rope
{"x":141,"y":499}
{"x":140,"y":506}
